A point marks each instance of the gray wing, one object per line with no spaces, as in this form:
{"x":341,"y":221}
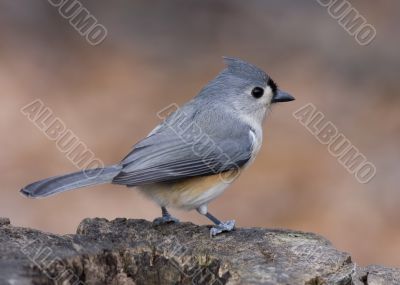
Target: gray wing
{"x":179,"y":149}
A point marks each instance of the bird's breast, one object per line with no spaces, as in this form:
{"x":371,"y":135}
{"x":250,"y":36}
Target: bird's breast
{"x":256,"y":142}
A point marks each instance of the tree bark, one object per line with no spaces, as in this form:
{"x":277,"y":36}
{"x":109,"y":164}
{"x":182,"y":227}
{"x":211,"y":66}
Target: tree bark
{"x":126,"y":251}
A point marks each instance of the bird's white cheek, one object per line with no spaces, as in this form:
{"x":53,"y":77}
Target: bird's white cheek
{"x":268,"y":95}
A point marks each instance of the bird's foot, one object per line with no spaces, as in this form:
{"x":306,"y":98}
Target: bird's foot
{"x":167,"y":219}
{"x":222,"y":227}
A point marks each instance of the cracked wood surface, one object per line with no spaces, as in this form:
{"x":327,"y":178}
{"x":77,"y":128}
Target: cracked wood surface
{"x":126,"y":251}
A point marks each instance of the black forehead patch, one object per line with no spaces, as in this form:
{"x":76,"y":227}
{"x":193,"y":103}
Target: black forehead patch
{"x":273,"y":85}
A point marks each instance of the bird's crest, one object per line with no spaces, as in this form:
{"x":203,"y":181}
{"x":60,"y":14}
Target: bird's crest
{"x":244,"y":69}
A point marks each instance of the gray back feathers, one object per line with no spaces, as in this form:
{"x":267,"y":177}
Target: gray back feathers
{"x":190,"y":143}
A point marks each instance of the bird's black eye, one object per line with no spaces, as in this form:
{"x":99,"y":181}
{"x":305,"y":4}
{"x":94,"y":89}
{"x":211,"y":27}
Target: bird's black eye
{"x":257,"y":92}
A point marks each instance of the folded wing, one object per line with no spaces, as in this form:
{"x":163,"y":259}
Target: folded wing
{"x":170,"y":154}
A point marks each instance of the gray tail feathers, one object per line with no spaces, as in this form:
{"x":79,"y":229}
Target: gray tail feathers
{"x":58,"y":184}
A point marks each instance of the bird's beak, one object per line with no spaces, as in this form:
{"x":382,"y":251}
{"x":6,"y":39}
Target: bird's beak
{"x":282,"y":96}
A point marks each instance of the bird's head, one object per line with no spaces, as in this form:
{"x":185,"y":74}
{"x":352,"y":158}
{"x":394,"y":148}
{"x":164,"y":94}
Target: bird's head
{"x":245,"y":88}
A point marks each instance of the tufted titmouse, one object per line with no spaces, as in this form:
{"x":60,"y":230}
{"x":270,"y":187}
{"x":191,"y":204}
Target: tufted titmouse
{"x":196,"y":152}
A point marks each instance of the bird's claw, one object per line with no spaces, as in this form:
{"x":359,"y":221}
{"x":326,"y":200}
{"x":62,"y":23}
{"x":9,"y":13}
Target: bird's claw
{"x":222,"y":227}
{"x":165,"y":220}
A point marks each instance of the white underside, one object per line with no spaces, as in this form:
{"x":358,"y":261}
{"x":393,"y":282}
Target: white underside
{"x":164,"y":196}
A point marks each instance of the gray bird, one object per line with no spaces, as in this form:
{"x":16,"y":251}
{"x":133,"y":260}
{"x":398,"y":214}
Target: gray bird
{"x":196,"y":152}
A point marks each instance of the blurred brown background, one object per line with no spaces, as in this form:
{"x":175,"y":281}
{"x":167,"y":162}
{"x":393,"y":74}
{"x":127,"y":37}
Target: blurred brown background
{"x":160,"y":52}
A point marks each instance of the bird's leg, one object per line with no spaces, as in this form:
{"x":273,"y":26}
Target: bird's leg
{"x":220,"y":227}
{"x":166,"y":218}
